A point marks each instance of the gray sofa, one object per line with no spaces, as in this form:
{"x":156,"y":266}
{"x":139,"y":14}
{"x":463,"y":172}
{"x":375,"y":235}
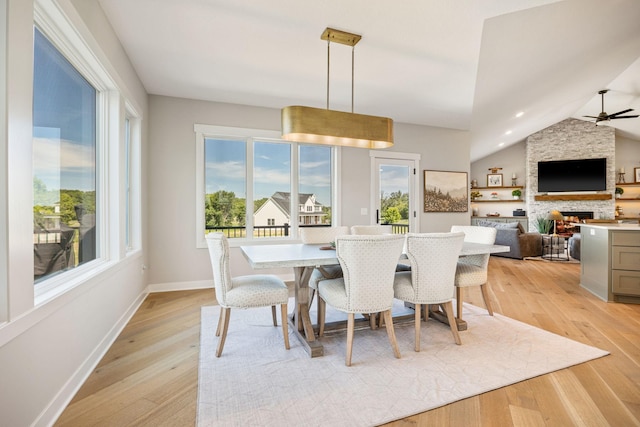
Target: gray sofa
{"x":512,"y":234}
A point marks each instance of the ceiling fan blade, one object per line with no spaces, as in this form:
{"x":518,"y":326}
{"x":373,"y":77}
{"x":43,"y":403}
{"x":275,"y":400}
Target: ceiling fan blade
{"x":592,"y":117}
{"x":620,"y":112}
{"x":624,"y":117}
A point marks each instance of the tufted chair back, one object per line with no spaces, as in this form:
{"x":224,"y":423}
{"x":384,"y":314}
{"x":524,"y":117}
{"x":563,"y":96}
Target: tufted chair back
{"x":219,"y":255}
{"x":434,"y":257}
{"x":320,"y":235}
{"x":368,"y":265}
{"x":475,"y":234}
{"x":371,"y":230}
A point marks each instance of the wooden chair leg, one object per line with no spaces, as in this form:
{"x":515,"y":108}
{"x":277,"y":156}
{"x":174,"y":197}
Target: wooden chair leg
{"x":388,"y":321}
{"x":350,"y":327}
{"x":285,"y":325}
{"x":273,"y":315}
{"x":448,"y":308}
{"x":417,"y":320}
{"x":220,"y":320}
{"x":485,"y":296}
{"x":226,"y":313}
{"x":322,"y":307}
{"x":459,"y":302}
{"x":372,"y":320}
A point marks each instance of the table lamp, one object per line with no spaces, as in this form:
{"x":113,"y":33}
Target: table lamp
{"x":555,"y":216}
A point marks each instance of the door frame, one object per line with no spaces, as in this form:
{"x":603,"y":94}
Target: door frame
{"x":414,"y":184}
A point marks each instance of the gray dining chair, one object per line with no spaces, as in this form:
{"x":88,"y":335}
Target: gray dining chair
{"x":368,"y":266}
{"x":472,"y":270}
{"x":431,"y":281}
{"x":243,"y":292}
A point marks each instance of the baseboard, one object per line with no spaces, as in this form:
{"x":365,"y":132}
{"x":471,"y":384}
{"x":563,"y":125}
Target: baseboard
{"x":180,"y":286}
{"x":55,"y":408}
{"x":195,"y":284}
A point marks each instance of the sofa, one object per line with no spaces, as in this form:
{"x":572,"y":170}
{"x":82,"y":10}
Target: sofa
{"x":512,"y":234}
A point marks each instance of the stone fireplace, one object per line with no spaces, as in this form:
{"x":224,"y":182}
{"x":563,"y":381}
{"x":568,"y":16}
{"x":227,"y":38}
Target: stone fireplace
{"x":569,"y":139}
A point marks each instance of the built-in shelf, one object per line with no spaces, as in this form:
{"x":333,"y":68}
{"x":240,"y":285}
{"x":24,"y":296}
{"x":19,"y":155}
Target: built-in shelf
{"x":552,"y":197}
{"x":631,"y":199}
{"x":499,"y":188}
{"x":497,"y":201}
{"x":628,"y":184}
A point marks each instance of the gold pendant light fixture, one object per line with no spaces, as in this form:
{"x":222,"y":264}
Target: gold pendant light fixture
{"x":331,"y":127}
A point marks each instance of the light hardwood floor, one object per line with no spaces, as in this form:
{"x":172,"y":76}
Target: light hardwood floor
{"x":150,"y":375}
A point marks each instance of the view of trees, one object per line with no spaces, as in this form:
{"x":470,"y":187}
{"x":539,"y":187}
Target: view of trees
{"x":223,"y":208}
{"x":437,"y":201}
{"x":395,"y":208}
{"x":45,"y":202}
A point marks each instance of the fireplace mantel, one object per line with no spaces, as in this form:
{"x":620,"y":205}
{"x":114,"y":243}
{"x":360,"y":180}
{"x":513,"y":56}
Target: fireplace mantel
{"x":552,"y":197}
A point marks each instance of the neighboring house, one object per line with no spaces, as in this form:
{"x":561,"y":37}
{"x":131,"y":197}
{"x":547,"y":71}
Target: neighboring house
{"x":276,"y":210}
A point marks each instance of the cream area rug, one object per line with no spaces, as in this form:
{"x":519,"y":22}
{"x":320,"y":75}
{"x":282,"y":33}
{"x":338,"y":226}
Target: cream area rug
{"x":256,"y":382}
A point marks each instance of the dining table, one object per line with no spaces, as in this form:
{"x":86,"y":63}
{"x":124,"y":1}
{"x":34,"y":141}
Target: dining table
{"x":303,"y":258}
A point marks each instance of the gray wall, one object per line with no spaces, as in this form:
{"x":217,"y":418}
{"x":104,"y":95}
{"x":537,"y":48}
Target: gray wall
{"x":174,"y":260}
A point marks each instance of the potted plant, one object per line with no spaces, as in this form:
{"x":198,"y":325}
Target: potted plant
{"x":475,"y":195}
{"x":619,"y":192}
{"x":516,"y":193}
{"x":543,"y":225}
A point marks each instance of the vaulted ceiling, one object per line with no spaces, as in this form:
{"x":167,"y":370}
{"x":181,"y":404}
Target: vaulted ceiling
{"x":464,"y":64}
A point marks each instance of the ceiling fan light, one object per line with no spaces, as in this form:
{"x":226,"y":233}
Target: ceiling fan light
{"x":330,"y":127}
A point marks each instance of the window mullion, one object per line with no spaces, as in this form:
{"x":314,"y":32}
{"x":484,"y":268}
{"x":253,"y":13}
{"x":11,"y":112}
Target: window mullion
{"x":249,"y":204}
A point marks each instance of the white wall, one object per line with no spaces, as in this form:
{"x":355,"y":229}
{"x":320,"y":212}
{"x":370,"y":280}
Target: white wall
{"x":46,"y":351}
{"x":174,"y":260}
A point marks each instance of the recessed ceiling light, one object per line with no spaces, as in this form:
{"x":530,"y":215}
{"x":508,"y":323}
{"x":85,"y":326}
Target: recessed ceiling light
{"x":501,"y":144}
{"x":508,"y":132}
{"x":520,"y":114}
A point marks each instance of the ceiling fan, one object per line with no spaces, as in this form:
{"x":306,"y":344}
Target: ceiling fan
{"x":604,"y":116}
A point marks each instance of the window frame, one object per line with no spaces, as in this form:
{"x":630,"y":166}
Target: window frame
{"x":250,"y":136}
{"x":51,"y":21}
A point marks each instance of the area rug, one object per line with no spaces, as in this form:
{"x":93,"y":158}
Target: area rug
{"x":256,"y":382}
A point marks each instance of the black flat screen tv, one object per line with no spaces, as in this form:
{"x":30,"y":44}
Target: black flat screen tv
{"x":572,"y":175}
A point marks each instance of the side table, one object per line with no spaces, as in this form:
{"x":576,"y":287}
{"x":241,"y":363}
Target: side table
{"x":554,"y":248}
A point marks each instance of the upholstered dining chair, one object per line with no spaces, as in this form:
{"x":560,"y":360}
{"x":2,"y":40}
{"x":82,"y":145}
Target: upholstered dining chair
{"x":371,"y":230}
{"x":368,"y":266}
{"x":472,"y":270}
{"x":374,"y":230}
{"x":260,"y":290}
{"x":431,"y":281}
{"x":316,"y":236}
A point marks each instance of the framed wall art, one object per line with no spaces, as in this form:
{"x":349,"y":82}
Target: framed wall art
{"x":494,"y":180}
{"x":636,"y":174}
{"x":445,"y":191}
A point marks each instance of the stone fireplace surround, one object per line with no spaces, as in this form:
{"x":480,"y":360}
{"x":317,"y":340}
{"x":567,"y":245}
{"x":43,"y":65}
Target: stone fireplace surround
{"x":569,"y":139}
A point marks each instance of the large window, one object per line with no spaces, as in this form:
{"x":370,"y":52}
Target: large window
{"x":255,"y":186}
{"x":64,"y":163}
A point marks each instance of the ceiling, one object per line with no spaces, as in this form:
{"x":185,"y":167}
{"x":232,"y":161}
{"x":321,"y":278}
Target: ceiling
{"x":464,"y":64}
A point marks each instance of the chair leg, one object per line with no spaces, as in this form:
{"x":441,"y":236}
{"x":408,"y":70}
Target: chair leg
{"x":448,"y":308}
{"x":273,"y":315}
{"x":372,"y":320}
{"x":417,"y":320}
{"x":225,"y":326}
{"x":459,"y":302}
{"x":350,"y":327}
{"x":322,"y":307}
{"x":285,"y":325}
{"x":388,"y":321}
{"x":220,"y":320}
{"x":485,"y":296}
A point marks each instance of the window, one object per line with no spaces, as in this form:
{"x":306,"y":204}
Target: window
{"x":64,"y":163}
{"x":132,"y":181}
{"x":288,"y":184}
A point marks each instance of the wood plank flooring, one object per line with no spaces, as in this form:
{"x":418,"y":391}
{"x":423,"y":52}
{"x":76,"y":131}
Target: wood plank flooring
{"x":149,"y":377}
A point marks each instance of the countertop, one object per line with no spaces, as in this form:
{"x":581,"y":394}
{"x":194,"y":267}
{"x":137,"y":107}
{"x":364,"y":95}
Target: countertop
{"x":605,"y":226}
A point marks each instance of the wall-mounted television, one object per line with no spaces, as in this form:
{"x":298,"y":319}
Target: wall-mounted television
{"x":572,"y":175}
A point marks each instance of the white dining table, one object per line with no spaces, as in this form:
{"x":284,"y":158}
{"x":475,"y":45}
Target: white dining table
{"x":303,"y":258}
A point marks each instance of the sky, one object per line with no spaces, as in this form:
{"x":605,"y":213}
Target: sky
{"x":226,"y":168}
{"x":64,"y":121}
